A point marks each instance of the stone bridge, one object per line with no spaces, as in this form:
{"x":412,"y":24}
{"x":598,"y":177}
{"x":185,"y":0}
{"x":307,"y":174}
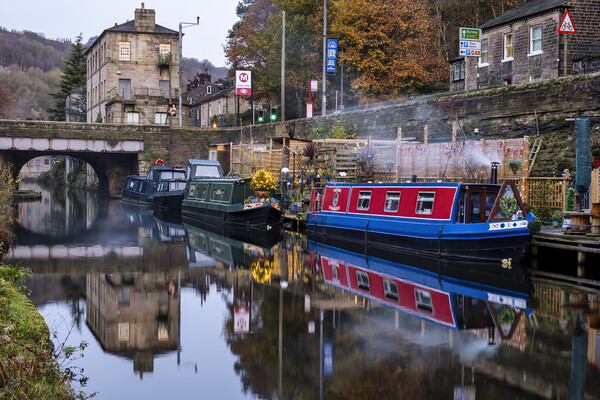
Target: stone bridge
{"x":114,"y":151}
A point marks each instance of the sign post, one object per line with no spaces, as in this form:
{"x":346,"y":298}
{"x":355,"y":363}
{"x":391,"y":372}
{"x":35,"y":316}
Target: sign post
{"x":332,"y":45}
{"x":566,"y":26}
{"x":469,"y":46}
{"x":243,"y":82}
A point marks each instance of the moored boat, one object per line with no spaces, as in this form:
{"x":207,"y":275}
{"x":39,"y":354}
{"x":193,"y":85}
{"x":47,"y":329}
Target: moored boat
{"x":163,"y":187}
{"x":455,"y":220}
{"x":211,"y":198}
{"x":456,"y":295}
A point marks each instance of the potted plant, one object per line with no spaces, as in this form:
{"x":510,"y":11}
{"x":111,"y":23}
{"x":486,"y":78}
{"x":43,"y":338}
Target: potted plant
{"x":515,"y":165}
{"x":263,"y":183}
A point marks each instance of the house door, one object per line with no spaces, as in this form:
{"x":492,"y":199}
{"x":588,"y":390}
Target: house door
{"x":481,"y":202}
{"x":125,"y":88}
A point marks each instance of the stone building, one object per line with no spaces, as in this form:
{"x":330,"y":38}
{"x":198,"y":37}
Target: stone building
{"x":132,"y":73}
{"x":524,"y":45}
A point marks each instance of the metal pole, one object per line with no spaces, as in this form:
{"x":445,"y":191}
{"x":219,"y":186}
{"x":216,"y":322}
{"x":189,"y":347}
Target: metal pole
{"x":181,"y":59}
{"x":283,"y":66}
{"x":323,"y":100}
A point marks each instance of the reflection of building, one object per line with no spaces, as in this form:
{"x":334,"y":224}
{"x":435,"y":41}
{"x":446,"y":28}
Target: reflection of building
{"x":33,"y":168}
{"x":136,"y":314}
{"x":132,"y":72}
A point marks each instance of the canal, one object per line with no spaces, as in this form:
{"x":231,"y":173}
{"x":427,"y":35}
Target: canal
{"x":172,"y":309}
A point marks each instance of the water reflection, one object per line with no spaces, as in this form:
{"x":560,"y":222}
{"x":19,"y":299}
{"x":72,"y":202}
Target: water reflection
{"x":166,"y":304}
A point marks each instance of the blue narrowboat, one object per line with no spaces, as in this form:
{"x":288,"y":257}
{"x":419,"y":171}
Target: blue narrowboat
{"x":455,"y":220}
{"x":163,"y":187}
{"x":211,"y":198}
{"x":456,"y":295}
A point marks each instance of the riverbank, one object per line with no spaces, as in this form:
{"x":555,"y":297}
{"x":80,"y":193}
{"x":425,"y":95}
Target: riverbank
{"x":28,"y":360}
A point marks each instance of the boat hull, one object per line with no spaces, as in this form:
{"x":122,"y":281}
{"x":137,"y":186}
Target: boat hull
{"x":170,"y":202}
{"x":267,"y":217}
{"x":466,"y":241}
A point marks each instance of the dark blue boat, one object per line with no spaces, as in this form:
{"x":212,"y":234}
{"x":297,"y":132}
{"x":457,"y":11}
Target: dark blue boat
{"x":164,"y":187}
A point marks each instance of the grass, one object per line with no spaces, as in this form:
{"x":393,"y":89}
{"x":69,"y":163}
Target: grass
{"x":28,"y":361}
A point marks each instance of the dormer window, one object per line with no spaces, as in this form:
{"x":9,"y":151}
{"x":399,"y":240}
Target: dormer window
{"x":208,"y":90}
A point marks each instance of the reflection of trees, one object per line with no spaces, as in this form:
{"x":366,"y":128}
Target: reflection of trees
{"x":74,"y":292}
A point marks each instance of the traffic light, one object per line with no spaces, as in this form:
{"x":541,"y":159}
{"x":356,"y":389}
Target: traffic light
{"x":273,"y":113}
{"x":261,"y":115}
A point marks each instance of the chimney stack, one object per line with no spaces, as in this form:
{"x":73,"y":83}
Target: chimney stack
{"x":144,"y":19}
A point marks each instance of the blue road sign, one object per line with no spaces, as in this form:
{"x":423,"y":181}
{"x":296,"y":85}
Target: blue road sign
{"x":332,"y":46}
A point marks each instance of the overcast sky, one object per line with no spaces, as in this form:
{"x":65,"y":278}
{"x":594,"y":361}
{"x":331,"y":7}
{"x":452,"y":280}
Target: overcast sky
{"x":68,"y":18}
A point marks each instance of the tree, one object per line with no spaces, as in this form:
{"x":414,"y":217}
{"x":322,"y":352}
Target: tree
{"x":6,"y":99}
{"x":389,"y":46}
{"x":71,"y":82}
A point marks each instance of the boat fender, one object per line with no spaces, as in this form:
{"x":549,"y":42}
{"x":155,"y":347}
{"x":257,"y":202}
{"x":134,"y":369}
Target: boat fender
{"x":160,"y":161}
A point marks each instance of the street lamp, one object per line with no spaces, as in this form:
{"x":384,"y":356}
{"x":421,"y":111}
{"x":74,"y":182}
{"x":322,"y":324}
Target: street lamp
{"x":181,"y":26}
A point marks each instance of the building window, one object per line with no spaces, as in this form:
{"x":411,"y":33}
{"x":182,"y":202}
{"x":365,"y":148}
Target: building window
{"x":133,"y":118}
{"x":164,"y":49}
{"x":535,"y":42}
{"x":364,"y":200}
{"x":362,"y":280}
{"x":459,"y":71}
{"x":208,"y":90}
{"x":508,"y":47}
{"x":124,"y":51}
{"x":483,"y":60}
{"x":392,"y":202}
{"x":160,"y":118}
{"x":213,"y":155}
{"x":425,"y":203}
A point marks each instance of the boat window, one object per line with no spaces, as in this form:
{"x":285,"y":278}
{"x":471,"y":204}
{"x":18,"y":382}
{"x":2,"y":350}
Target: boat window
{"x":364,"y":200}
{"x":172,"y":175}
{"x":425,"y":203}
{"x":143,"y":187}
{"x":392,"y":201}
{"x":135,"y":185}
{"x":151,"y":175}
{"x":476,"y":207}
{"x":204,"y":189}
{"x":176,"y":186}
{"x":460,"y":216}
{"x":390,"y":289}
{"x":131,"y":184}
{"x":334,"y":272}
{"x":423,"y":300}
{"x":490,"y":198}
{"x":207,"y":170}
{"x":192,"y":191}
{"x":362,"y":280}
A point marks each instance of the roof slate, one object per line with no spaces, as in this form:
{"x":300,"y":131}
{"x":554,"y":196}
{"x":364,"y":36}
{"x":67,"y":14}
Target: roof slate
{"x":525,"y":10}
{"x":129,"y":26}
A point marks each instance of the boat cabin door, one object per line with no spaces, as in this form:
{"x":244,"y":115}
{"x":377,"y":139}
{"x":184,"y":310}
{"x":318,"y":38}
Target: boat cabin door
{"x":480,"y":202}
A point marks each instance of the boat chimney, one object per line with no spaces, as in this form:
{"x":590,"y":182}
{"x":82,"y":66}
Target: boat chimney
{"x":494,"y":175}
{"x":414,"y":179}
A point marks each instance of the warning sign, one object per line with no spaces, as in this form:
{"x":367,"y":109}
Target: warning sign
{"x":566,"y":26}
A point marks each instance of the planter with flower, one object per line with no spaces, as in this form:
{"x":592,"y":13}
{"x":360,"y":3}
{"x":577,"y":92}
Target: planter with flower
{"x":515,"y":165}
{"x":264,"y":184}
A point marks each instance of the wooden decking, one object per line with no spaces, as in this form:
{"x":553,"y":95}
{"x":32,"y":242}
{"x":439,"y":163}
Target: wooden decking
{"x":558,"y":239}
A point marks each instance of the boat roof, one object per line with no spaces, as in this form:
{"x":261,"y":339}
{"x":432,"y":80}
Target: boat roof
{"x":410,"y":184}
{"x":194,"y":161}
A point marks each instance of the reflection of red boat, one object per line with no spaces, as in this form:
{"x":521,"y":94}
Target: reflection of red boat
{"x":459,"y":296}
{"x":466,"y":221}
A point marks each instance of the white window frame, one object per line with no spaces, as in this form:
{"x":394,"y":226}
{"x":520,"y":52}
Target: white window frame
{"x":164,"y":49}
{"x":160,"y":118}
{"x":213,"y":155}
{"x":391,"y":200}
{"x":390,"y":289}
{"x":484,"y":51}
{"x":133,"y":117}
{"x":533,"y":40}
{"x":208,"y":90}
{"x":363,"y":196}
{"x":124,"y":51}
{"x":362,"y":281}
{"x":423,"y":198}
{"x":507,"y":46}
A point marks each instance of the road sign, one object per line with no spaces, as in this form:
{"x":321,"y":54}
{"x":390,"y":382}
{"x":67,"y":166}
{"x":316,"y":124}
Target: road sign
{"x":309,"y":110}
{"x":470,"y":44}
{"x":470,"y":53}
{"x":241,"y":319}
{"x":566,"y":26}
{"x":469,"y":34}
{"x":332,"y":45}
{"x":243,"y":82}
{"x":313,"y":85}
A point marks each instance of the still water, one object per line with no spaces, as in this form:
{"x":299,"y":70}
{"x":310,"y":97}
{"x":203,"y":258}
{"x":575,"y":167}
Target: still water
{"x":171,"y":309}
